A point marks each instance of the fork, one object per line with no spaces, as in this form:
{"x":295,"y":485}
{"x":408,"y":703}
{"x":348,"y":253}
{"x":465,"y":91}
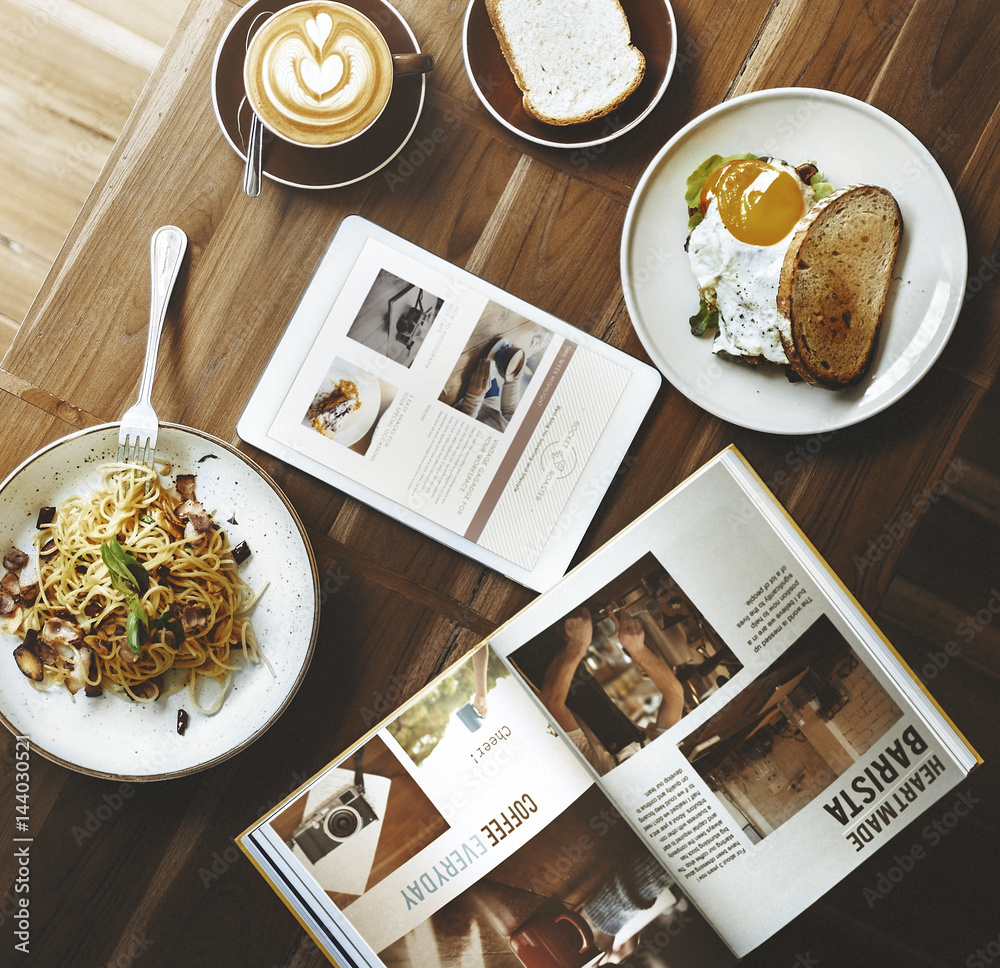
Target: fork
{"x":139,"y":426}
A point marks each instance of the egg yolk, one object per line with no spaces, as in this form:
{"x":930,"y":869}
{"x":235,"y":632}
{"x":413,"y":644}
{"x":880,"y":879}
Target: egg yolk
{"x":758,"y":203}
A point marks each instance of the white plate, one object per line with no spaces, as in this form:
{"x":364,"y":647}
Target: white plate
{"x":113,"y":737}
{"x":850,"y":141}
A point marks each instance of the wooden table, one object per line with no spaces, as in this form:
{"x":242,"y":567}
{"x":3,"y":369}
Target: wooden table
{"x":148,"y":873}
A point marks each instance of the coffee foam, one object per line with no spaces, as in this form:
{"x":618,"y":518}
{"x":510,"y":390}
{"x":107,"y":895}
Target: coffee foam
{"x":318,"y":73}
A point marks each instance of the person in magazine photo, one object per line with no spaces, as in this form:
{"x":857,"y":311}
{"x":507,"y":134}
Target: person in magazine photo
{"x":626,"y":665}
{"x":578,"y":630}
{"x":807,"y":719}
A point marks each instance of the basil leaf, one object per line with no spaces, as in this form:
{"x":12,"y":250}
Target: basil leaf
{"x":128,"y":577}
{"x":134,"y":623}
{"x":117,"y":560}
{"x":139,"y":576}
{"x":135,"y":608}
{"x":126,"y":588}
{"x":124,"y":567}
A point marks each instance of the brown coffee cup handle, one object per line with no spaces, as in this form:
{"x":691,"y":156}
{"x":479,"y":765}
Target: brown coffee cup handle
{"x":411,"y":63}
{"x":582,"y":929}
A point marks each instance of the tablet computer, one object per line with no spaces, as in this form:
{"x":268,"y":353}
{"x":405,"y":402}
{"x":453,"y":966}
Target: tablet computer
{"x":442,"y":400}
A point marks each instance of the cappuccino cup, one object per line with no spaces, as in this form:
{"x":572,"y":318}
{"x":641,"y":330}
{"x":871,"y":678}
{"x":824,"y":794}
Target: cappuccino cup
{"x":320,"y":73}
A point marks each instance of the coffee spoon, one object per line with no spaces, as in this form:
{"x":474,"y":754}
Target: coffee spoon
{"x":255,"y":142}
{"x":255,"y":151}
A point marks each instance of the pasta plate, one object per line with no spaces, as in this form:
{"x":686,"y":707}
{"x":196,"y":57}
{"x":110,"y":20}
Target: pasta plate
{"x":112,"y":737}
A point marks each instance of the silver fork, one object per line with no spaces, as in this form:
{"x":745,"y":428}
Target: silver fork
{"x":137,"y":435}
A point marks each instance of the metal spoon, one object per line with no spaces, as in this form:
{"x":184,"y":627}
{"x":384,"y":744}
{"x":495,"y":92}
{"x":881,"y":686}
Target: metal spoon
{"x":255,"y":152}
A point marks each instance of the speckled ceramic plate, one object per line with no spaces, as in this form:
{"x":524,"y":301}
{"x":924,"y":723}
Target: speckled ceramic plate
{"x":112,"y":737}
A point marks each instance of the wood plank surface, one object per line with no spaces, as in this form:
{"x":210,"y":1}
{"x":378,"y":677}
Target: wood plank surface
{"x":904,"y":505}
{"x":70,"y":74}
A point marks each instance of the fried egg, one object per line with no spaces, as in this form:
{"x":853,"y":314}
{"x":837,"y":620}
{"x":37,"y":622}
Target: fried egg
{"x":751,"y":209}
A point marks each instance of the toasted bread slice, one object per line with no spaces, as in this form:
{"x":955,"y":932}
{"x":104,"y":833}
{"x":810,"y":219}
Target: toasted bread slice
{"x":834,"y":282}
{"x":573,"y":62}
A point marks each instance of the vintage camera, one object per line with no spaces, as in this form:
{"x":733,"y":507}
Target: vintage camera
{"x":333,"y":822}
{"x":410,"y":324}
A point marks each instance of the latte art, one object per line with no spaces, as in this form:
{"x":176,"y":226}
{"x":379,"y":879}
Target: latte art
{"x":318,"y":73}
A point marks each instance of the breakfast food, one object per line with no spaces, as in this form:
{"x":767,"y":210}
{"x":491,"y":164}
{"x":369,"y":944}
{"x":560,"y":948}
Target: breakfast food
{"x":573,"y":62}
{"x":132,"y":589}
{"x":834,"y":282}
{"x":318,"y":73}
{"x":759,"y":227}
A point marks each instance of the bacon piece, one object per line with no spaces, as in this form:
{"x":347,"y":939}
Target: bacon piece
{"x":197,"y":521}
{"x":79,"y":663}
{"x":60,"y":631}
{"x":194,"y":619}
{"x":185,"y":484}
{"x":10,"y":585}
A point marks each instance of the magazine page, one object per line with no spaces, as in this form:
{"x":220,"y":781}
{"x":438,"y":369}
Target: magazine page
{"x":450,"y":404}
{"x":736,"y":703}
{"x":465,"y":832}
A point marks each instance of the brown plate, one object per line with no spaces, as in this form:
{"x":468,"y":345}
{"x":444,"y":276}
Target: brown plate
{"x":654,"y":32}
{"x":337,"y":165}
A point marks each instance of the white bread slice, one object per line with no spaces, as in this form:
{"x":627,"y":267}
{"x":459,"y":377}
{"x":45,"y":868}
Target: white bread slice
{"x":572,"y":59}
{"x":834,"y":281}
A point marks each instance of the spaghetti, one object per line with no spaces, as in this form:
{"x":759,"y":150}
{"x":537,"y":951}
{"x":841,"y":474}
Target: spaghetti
{"x":137,"y":594}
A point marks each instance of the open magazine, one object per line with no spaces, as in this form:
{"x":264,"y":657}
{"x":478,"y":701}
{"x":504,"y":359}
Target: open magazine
{"x":689,"y":713}
{"x":449,"y":404}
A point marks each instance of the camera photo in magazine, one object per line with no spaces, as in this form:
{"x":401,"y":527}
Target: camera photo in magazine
{"x":359,"y":822}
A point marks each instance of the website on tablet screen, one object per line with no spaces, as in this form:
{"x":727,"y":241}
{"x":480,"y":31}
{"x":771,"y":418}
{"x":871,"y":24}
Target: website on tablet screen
{"x":456,"y":407}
